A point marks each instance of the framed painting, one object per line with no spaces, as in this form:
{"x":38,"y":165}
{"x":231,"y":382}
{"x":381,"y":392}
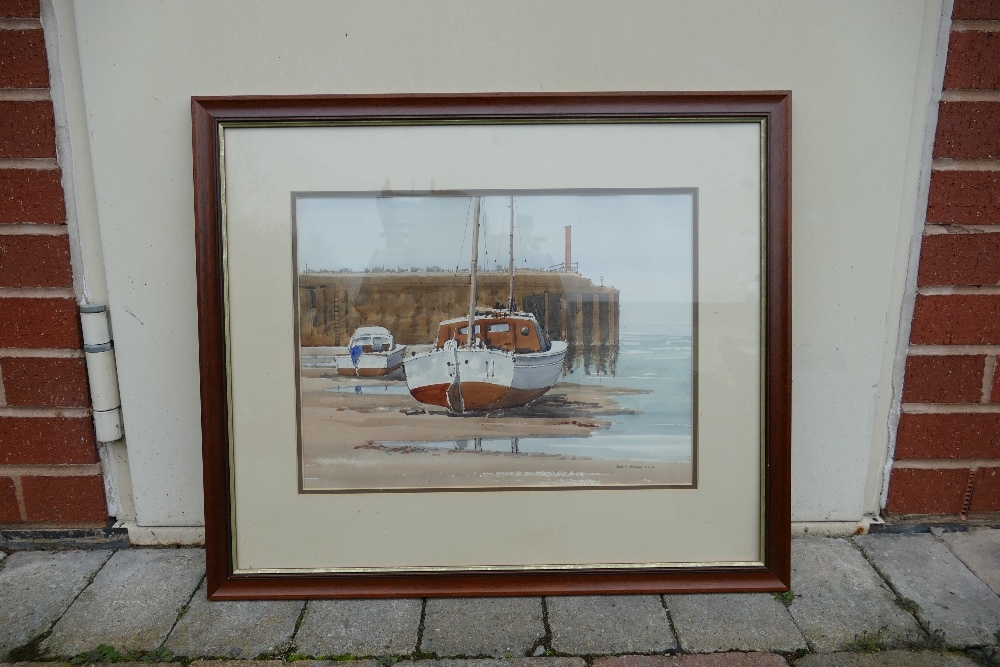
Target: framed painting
{"x":497,"y":344}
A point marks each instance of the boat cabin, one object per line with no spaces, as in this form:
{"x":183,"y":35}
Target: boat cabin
{"x":372,"y":339}
{"x":498,"y":330}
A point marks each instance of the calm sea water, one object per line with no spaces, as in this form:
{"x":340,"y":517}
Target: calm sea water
{"x":654,"y":426}
{"x":654,"y":354}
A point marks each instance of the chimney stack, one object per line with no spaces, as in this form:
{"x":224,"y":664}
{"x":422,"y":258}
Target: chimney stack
{"x":569,"y":249}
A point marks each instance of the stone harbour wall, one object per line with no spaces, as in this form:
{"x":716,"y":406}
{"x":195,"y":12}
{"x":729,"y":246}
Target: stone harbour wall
{"x":412,"y":304}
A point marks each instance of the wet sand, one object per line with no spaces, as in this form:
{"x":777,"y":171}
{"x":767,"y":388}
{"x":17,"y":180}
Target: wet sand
{"x":378,"y":440}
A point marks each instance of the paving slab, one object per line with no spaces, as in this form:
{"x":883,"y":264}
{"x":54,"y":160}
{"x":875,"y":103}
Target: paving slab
{"x":840,"y":599}
{"x":237,"y":663}
{"x":132,"y":603}
{"x":733,"y":622}
{"x":702,"y":660}
{"x":271,"y":663}
{"x":886,"y":659}
{"x":494,"y":627}
{"x":243,"y":629}
{"x":952,"y":600}
{"x":359,"y":627}
{"x":980,"y":551}
{"x":588,"y":625}
{"x":492,"y":662}
{"x":36,"y":587}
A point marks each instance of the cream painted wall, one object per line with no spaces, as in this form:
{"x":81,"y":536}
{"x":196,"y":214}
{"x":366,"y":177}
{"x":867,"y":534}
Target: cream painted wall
{"x":861,"y":76}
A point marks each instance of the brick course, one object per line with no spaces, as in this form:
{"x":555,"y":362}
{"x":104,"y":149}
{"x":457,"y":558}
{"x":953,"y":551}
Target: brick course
{"x":944,"y":379}
{"x":918,"y":491}
{"x":23,"y":62}
{"x":973,"y":60}
{"x":31,"y":195}
{"x":986,"y":496}
{"x":960,"y":259}
{"x":976,"y":9}
{"x":969,"y":261}
{"x":968,"y":130}
{"x":22,"y":9}
{"x":964,"y":198}
{"x":64,"y":499}
{"x":46,"y":440}
{"x":27,"y":130}
{"x":42,"y":382}
{"x":948,"y":436}
{"x":956,"y":319}
{"x":9,"y":511}
{"x":39,"y":323}
{"x":35,"y":260}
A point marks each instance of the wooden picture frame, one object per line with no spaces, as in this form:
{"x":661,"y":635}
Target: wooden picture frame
{"x":764,"y":115}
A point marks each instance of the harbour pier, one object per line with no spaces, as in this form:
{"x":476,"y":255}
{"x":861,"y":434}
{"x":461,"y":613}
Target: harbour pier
{"x":411,"y":304}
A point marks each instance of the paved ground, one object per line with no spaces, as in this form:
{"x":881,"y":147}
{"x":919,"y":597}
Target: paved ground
{"x":873,"y":601}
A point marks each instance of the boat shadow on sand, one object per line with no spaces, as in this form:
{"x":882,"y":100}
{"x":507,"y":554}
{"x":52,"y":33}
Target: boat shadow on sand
{"x":572,"y":401}
{"x":568,"y":410}
{"x":566,"y":400}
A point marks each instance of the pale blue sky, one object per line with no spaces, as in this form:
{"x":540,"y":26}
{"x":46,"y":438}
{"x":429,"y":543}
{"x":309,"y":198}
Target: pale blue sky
{"x":638,"y":243}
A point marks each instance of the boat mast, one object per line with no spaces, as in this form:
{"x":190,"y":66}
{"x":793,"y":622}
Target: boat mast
{"x":510,"y":303}
{"x":475,"y":260}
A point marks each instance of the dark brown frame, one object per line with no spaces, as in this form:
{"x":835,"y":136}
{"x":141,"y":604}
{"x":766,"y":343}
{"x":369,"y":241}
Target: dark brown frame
{"x":773,"y":107}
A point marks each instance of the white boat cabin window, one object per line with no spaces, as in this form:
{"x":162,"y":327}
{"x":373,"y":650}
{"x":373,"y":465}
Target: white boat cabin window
{"x":493,"y":328}
{"x":372,"y":343}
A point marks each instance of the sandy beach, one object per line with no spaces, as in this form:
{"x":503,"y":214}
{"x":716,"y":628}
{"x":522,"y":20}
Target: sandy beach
{"x":365,"y":434}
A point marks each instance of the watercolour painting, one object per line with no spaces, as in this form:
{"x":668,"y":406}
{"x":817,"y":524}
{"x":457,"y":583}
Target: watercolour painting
{"x":580,"y":373}
{"x":535,"y":338}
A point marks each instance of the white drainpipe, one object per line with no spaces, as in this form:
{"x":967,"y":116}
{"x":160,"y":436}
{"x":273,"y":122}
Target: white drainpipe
{"x":86,"y":254}
{"x":102,"y":373}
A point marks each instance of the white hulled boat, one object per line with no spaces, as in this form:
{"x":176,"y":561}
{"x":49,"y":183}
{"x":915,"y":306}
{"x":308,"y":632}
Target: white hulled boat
{"x":372,"y":352}
{"x":507,"y":362}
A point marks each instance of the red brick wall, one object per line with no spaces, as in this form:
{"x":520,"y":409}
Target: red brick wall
{"x":49,"y":469}
{"x":947,"y":456}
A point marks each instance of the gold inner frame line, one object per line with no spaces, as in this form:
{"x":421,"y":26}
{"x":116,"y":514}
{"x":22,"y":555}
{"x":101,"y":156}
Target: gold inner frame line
{"x":760,"y":120}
